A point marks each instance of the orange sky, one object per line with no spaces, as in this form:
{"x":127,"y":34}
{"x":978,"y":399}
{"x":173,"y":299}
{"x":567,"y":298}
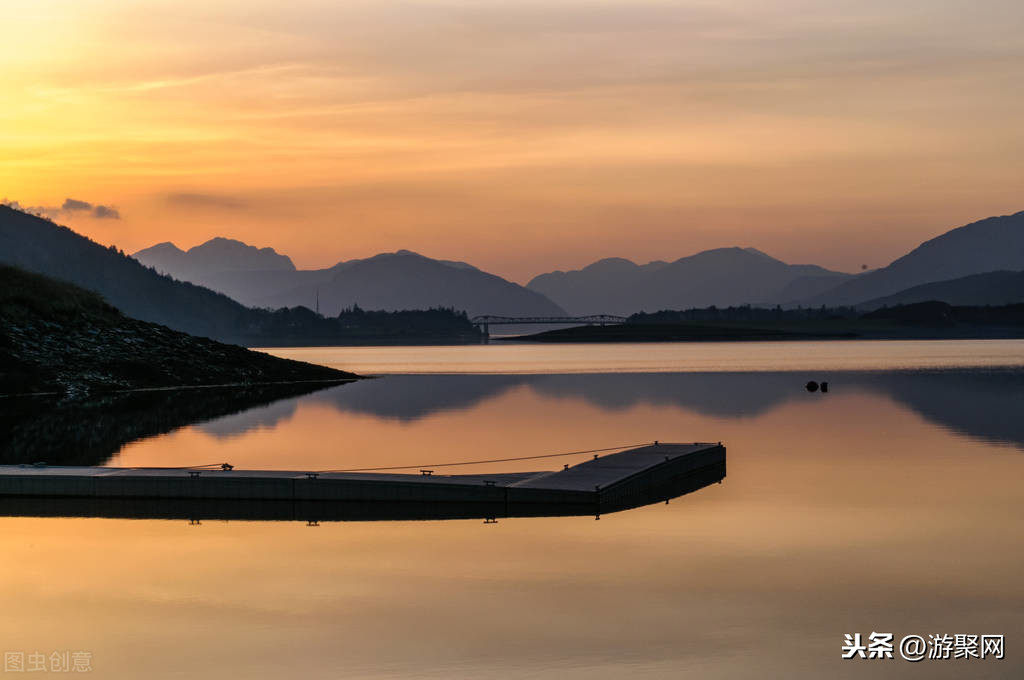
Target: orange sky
{"x":520,"y":136}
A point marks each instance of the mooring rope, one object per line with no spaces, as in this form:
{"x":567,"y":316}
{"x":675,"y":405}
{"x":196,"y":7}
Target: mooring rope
{"x":490,"y":460}
{"x":227,"y":466}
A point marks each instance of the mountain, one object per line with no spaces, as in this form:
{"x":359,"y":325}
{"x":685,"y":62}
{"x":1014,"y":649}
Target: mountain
{"x":39,"y":245}
{"x":213,"y":257}
{"x":989,"y":245}
{"x":722,"y":277}
{"x":991,"y":288}
{"x":389,"y":281}
{"x":406,"y":280}
{"x":55,"y":336}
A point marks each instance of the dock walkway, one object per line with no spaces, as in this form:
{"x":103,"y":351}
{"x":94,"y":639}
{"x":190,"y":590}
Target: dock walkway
{"x":599,"y":485}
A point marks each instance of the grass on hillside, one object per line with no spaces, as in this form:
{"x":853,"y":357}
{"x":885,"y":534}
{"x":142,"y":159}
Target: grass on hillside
{"x":27,"y":295}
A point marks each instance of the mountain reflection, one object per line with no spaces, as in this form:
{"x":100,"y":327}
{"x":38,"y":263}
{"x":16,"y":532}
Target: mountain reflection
{"x":982,"y":404}
{"x":978,"y":403}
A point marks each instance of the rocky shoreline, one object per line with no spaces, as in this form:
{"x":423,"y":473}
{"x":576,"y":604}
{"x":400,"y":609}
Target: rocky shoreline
{"x":58,"y":338}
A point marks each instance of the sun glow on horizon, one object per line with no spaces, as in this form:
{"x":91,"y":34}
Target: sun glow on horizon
{"x":517,"y":136}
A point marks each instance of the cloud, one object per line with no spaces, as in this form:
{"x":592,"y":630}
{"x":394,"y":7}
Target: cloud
{"x":106,"y":212}
{"x":70,"y":206}
{"x":198,"y":200}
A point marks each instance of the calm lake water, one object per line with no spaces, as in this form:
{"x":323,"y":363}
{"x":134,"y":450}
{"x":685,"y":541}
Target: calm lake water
{"x":893,"y":503}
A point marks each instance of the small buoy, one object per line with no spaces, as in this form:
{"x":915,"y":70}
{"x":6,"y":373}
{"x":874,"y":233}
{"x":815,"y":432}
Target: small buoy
{"x":812,"y":386}
{"x":824,"y":387}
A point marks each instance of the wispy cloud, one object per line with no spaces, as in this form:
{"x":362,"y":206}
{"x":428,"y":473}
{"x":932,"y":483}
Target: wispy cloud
{"x":186,"y":81}
{"x":204,"y":200}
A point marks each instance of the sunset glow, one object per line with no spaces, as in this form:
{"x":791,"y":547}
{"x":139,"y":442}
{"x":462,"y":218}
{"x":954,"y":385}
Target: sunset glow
{"x":519,"y":136}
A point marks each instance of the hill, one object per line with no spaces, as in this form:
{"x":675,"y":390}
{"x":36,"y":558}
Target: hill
{"x":991,"y":288}
{"x":389,"y":281}
{"x":989,"y":245}
{"x":722,"y":277}
{"x":38,"y":245}
{"x":213,"y":257}
{"x":58,"y":337}
{"x":921,"y":321}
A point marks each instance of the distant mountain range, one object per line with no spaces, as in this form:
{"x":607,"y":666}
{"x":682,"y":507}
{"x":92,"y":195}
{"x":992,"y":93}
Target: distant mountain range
{"x":389,"y":281}
{"x":946,"y":268}
{"x":738,"y":276}
{"x":38,"y":245}
{"x":989,"y":245}
{"x":722,"y":277}
{"x":216,"y":255}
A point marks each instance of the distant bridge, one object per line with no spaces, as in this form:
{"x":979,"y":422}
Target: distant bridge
{"x":486,"y":321}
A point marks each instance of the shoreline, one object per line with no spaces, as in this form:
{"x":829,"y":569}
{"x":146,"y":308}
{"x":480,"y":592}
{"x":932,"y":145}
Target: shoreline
{"x":176,"y":388}
{"x":699,"y":334}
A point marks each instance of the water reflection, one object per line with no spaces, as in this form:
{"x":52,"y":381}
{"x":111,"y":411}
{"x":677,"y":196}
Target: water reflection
{"x":882,"y":505}
{"x":980,"y":403}
{"x":87,"y":432}
{"x":977,"y":403}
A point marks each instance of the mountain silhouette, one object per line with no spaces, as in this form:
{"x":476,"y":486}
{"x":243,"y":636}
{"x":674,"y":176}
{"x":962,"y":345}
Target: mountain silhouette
{"x":992,"y":288}
{"x":389,"y":281}
{"x":140,"y":292}
{"x":989,"y":245}
{"x":38,"y":245}
{"x":721,"y":277}
{"x":213,"y":257}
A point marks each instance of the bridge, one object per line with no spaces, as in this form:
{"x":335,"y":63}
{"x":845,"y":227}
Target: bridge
{"x":485,"y":322}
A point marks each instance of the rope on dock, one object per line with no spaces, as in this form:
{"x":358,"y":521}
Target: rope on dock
{"x":491,"y":460}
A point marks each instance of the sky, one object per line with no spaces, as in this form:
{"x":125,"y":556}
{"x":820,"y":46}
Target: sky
{"x":517,"y":135}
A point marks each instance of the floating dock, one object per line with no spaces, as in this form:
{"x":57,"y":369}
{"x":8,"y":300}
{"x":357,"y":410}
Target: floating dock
{"x":603,"y":484}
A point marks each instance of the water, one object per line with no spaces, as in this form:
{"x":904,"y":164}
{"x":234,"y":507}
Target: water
{"x":892,"y":503}
{"x":660,"y":357}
